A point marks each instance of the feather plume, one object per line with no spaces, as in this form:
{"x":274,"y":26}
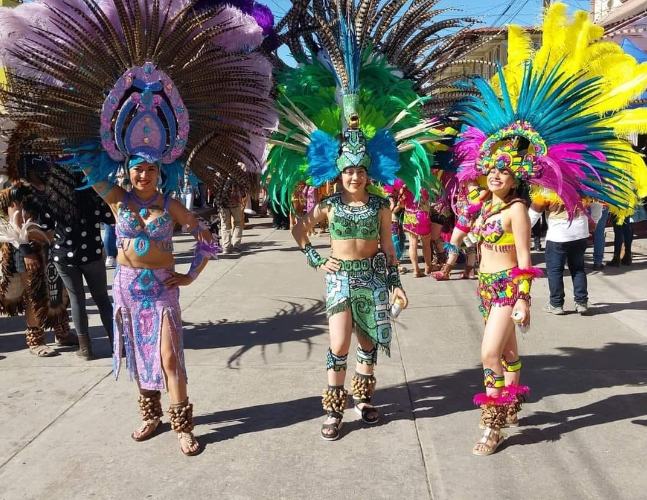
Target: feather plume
{"x":68,"y":63}
{"x":16,"y":233}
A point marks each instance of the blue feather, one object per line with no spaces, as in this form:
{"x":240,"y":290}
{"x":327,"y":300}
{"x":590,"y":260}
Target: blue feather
{"x":91,"y":157}
{"x":322,"y":155}
{"x":384,"y":155}
{"x":352,"y":56}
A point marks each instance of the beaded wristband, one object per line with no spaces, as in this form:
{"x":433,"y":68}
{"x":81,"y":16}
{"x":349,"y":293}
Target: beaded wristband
{"x":314,"y":259}
{"x":524,"y":278}
{"x":393,"y":278}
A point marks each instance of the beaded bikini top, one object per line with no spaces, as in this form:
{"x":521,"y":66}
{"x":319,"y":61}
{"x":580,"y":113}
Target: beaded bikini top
{"x":130,"y":226}
{"x":491,"y":232}
{"x":360,"y":223}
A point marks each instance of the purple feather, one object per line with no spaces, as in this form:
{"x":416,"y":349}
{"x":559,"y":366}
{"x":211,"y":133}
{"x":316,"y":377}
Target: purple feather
{"x":264,"y":17}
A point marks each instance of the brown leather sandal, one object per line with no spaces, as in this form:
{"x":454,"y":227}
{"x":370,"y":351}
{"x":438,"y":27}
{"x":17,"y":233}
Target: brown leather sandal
{"x":36,"y":342}
{"x":150,"y":408}
{"x":443,"y":274}
{"x":181,"y":417}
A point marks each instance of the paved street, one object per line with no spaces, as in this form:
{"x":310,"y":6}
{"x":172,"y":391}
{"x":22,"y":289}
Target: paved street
{"x":255,"y":337}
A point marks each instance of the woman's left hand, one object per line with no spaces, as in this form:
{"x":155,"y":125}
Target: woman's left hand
{"x":177,"y":279}
{"x":398,"y":293}
{"x":523,"y":307}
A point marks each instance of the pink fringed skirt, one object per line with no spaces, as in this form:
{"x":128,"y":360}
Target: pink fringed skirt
{"x":142,"y":303}
{"x":417,"y":222}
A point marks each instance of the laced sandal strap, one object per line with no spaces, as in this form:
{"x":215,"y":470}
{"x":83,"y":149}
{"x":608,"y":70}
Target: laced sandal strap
{"x":188,"y":436}
{"x":148,"y":423}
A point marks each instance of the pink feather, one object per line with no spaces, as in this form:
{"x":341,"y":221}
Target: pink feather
{"x":485,"y":399}
{"x":531,"y":272}
{"x":516,"y":390}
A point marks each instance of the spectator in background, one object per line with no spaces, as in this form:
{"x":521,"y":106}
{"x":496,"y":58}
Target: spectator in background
{"x":78,"y":250}
{"x":599,"y":240}
{"x":566,"y":243}
{"x":231,"y":210}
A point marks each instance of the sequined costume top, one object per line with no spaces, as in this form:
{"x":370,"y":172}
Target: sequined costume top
{"x":355,"y":223}
{"x":490,"y":232}
{"x":130,"y":226}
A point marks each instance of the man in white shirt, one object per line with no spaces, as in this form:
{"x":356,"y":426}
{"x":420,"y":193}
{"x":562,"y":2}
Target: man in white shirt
{"x":566,"y":243}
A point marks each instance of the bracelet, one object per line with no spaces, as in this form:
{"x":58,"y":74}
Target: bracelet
{"x":393,"y":278}
{"x":314,"y":259}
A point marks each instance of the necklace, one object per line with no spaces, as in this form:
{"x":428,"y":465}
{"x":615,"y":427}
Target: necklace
{"x":489,"y":209}
{"x":143,"y":211}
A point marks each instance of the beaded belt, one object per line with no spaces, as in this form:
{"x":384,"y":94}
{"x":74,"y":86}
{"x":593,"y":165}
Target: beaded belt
{"x":378,"y":263}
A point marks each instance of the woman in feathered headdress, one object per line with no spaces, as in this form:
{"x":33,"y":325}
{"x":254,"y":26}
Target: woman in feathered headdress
{"x":554,"y":120}
{"x":353,"y":111}
{"x":153,"y":88}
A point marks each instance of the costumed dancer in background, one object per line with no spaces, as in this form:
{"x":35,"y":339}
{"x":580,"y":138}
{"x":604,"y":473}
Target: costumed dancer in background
{"x":440,"y":215}
{"x":397,"y":231}
{"x":347,"y":113}
{"x":416,"y":224}
{"x":29,"y":282}
{"x":298,"y":204}
{"x":24,"y":284}
{"x":154,"y":118}
{"x":551,"y":119}
{"x":466,"y":206}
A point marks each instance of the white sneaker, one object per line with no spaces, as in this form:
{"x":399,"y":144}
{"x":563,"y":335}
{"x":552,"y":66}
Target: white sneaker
{"x":111,"y":262}
{"x":549,"y":308}
{"x":581,"y":308}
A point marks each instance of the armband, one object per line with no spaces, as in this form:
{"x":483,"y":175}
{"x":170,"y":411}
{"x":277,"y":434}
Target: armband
{"x":393,"y":278}
{"x":523,"y":278}
{"x":314,"y":259}
{"x":450,"y":248}
{"x":202,"y":251}
{"x":473,"y":195}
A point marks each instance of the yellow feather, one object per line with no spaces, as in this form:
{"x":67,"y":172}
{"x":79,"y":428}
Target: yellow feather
{"x":629,"y":121}
{"x":553,"y":37}
{"x":622,"y":93}
{"x":595,"y":57}
{"x":576,"y":42}
{"x":519,"y":51}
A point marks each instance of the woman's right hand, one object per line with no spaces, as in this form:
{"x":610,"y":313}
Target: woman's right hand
{"x":330,"y":266}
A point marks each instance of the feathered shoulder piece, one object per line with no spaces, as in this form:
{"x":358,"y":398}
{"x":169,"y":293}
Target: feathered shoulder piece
{"x":156,"y":80}
{"x":558,"y":118}
{"x":355,"y":100}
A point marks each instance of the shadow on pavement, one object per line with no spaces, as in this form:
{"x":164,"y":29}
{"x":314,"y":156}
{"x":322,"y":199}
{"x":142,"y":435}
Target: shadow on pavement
{"x":614,"y":408}
{"x":292,"y":323}
{"x":232,"y":423}
{"x":607,"y":307}
{"x":444,"y":395}
{"x":576,"y":371}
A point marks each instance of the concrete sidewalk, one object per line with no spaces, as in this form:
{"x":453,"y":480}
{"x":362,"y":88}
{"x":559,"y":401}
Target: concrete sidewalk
{"x":255,"y":338}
